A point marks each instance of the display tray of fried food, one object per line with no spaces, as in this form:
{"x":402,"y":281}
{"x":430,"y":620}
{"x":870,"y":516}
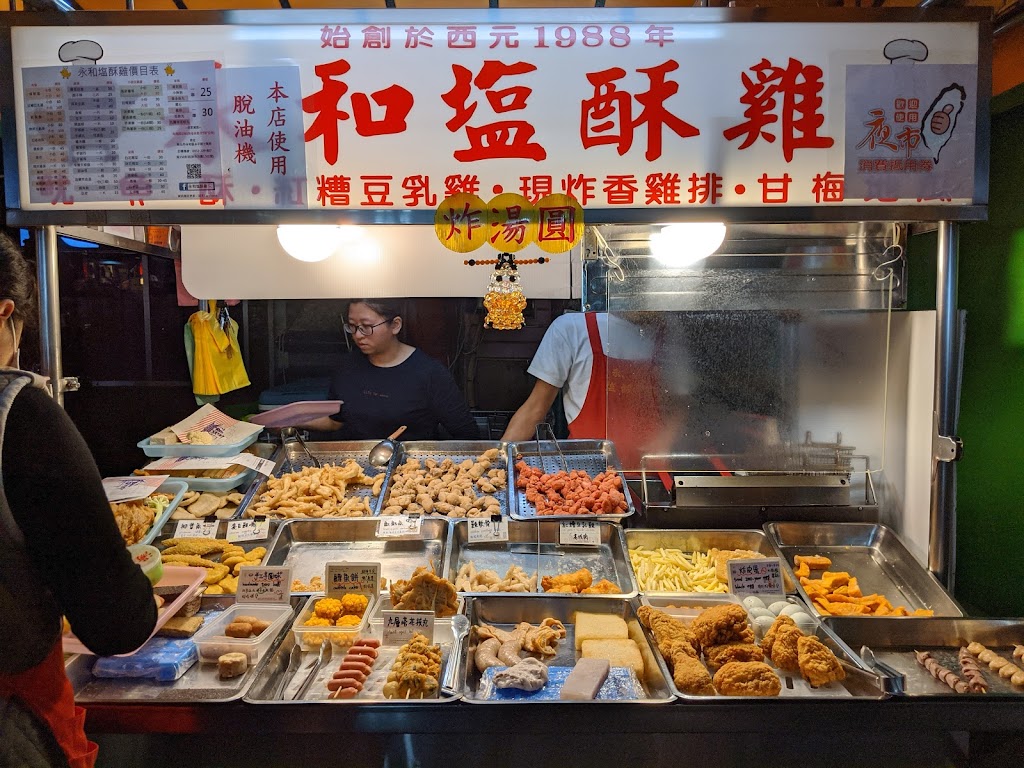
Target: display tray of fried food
{"x":135,"y":518}
{"x":837,"y":593}
{"x":197,"y":506}
{"x":579,"y":582}
{"x":673,"y":570}
{"x":222,"y":559}
{"x":571,"y":493}
{"x":469,"y":579}
{"x":324,"y":492}
{"x":717,"y":653}
{"x":425,"y":591}
{"x":214,"y":474}
{"x":454,"y":489}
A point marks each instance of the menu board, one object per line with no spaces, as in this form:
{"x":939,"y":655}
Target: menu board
{"x":122,"y":132}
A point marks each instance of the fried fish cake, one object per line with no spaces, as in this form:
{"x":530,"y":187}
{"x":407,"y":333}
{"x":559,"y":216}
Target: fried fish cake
{"x":818,"y":665}
{"x":692,"y":677}
{"x":717,"y":656}
{"x":747,"y":678}
{"x":785,"y":654}
{"x":722,"y":624}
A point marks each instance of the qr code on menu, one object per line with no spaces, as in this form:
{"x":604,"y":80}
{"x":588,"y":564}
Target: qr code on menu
{"x":193,"y":170}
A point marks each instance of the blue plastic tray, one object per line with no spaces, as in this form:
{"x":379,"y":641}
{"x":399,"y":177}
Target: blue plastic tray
{"x":622,"y":685}
{"x":218,"y":484}
{"x":176,"y":490}
{"x":190,"y":449}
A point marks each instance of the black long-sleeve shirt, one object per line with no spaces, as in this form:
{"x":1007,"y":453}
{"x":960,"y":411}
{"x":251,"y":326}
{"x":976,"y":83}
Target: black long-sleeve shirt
{"x":418,"y":392}
{"x":56,"y":495}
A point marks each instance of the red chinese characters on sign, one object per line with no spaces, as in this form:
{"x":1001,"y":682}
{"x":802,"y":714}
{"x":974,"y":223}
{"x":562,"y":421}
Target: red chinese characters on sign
{"x":799,"y":86}
{"x":906,"y":136}
{"x":470,"y":184}
{"x":533,"y":188}
{"x":333,"y":190}
{"x":335,"y":37}
{"x":704,"y":189}
{"x":278,"y":138}
{"x":326,"y":105}
{"x":502,"y":138}
{"x":828,"y":187}
{"x":775,"y":190}
{"x":607,"y":117}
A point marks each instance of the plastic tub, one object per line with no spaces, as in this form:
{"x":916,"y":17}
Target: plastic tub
{"x":213,"y":643}
{"x":176,"y":490}
{"x":191,"y":449}
{"x":219,"y":484}
{"x":310,"y":638}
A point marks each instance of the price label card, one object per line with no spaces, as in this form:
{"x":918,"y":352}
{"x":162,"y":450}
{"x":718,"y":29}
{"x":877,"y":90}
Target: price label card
{"x":120,"y":489}
{"x":264,"y":584}
{"x":344,"y":578}
{"x":263,"y":466}
{"x":581,"y":533}
{"x":398,"y":525}
{"x":756,"y":577}
{"x":481,"y":529}
{"x":400,"y":626}
{"x":248,"y":530}
{"x":196,"y":529}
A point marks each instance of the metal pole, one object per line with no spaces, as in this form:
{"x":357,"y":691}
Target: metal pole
{"x":942,"y":534}
{"x":49,"y":309}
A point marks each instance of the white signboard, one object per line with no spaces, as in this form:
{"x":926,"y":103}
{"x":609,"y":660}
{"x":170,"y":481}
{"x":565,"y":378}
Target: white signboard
{"x":655,"y":113}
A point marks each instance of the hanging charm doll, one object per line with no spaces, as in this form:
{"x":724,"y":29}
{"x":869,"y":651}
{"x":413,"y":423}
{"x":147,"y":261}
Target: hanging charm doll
{"x":504,"y":301}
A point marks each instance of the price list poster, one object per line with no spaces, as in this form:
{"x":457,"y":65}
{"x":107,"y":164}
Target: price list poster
{"x":122,"y":132}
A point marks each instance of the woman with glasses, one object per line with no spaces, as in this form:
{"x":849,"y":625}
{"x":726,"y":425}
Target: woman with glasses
{"x":391,"y":384}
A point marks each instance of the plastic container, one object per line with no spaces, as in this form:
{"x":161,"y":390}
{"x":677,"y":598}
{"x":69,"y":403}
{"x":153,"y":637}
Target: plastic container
{"x":174,"y":488}
{"x":686,"y":606}
{"x":219,"y":484}
{"x":147,"y":557}
{"x":310,"y":638}
{"x":295,"y":414}
{"x":189,"y":579}
{"x":213,"y":643}
{"x":202,"y":451}
{"x":162,"y":658}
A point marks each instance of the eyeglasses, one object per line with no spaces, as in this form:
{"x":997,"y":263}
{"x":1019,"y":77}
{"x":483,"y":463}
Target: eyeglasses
{"x":365,"y":330}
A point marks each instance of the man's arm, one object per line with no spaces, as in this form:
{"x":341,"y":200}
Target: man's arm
{"x":523,"y":424}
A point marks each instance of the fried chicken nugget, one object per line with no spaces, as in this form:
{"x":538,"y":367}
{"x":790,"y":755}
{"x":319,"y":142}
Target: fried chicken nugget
{"x":722,"y":624}
{"x":785,"y":654}
{"x":717,"y":656}
{"x":747,"y":678}
{"x":769,"y":637}
{"x":691,"y":677}
{"x":818,"y":665}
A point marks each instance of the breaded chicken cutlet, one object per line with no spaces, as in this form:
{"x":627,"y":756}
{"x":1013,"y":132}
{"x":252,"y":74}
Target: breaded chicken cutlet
{"x":722,"y":624}
{"x":818,"y":665}
{"x":747,"y":678}
{"x":717,"y":656}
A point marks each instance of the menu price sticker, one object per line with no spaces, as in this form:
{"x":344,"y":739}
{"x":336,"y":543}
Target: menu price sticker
{"x":264,"y":584}
{"x":391,"y":526}
{"x":196,"y":529}
{"x":347,"y":578}
{"x":248,"y":530}
{"x":400,"y":626}
{"x":263,"y":466}
{"x":483,"y":529}
{"x":580,"y":533}
{"x":121,"y":489}
{"x":762,"y":576}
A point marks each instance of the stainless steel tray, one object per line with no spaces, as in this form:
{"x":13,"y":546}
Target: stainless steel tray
{"x":592,"y":456}
{"x":291,"y":458}
{"x":889,"y":643}
{"x":872,"y":553}
{"x":861,"y":681}
{"x":307,"y":545}
{"x":689,"y":540}
{"x":533,"y":546}
{"x":506,"y":612}
{"x":448,"y":633}
{"x":200,"y":683}
{"x":456,"y":450}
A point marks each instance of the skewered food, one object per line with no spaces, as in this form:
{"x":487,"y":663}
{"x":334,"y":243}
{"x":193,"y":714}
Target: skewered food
{"x":747,"y":678}
{"x":316,"y":492}
{"x":416,"y":671}
{"x":463,"y":489}
{"x":940,"y":673}
{"x":355,"y":668}
{"x":1002,"y":665}
{"x":972,"y":672}
{"x":425,"y":591}
{"x":571,"y":493}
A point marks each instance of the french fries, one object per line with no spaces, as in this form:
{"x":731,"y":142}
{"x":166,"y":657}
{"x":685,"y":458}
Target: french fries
{"x":672,"y":570}
{"x":316,"y":492}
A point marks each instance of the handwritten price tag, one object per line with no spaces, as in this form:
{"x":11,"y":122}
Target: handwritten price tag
{"x":756,"y":577}
{"x":119,"y":489}
{"x":398,"y":525}
{"x":264,"y":584}
{"x":482,"y":529}
{"x":580,"y":533}
{"x":345,"y":578}
{"x":400,"y":626}
{"x":196,"y":529}
{"x":248,"y":530}
{"x":263,"y":466}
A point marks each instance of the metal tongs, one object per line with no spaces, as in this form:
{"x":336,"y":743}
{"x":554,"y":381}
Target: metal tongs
{"x":326,"y":651}
{"x":292,"y":433}
{"x":551,"y":432}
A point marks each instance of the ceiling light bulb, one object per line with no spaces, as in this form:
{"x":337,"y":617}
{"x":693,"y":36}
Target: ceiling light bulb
{"x":682,"y":245}
{"x":309,"y":242}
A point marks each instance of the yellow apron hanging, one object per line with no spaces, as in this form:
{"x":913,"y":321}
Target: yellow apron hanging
{"x":218,"y":366}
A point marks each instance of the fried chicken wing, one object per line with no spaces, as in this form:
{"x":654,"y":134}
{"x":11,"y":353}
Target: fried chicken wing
{"x":785,"y":654}
{"x":747,"y":678}
{"x":573,"y":582}
{"x":692,"y":677}
{"x":818,"y":665}
{"x":722,"y":624}
{"x":717,"y":656}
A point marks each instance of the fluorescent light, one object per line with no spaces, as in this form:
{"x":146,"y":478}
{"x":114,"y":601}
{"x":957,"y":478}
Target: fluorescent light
{"x":682,"y":245}
{"x":309,"y":242}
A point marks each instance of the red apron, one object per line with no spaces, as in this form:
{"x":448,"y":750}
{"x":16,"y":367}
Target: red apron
{"x":46,"y":691}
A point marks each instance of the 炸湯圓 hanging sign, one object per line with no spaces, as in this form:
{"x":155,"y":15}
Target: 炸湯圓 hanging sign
{"x":342,"y":114}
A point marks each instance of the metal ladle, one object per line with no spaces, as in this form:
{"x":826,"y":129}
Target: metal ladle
{"x":382,"y":452}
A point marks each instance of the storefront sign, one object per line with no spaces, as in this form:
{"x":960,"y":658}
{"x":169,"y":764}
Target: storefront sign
{"x":652,"y":113}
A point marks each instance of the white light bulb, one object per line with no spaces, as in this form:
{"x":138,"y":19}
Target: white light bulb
{"x":309,"y":242}
{"x":682,"y":245}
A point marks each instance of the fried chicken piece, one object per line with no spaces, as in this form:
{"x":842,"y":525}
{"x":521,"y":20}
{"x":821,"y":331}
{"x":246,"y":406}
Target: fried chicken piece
{"x":769,"y":637}
{"x":603,"y":587}
{"x":747,"y":678}
{"x":692,"y":677}
{"x":785,"y":654}
{"x":818,"y":665}
{"x":722,"y":624}
{"x":669,"y":633}
{"x":574,"y":582}
{"x":717,"y":656}
{"x":425,"y":591}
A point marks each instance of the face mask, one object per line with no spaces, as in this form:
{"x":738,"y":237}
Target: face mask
{"x":14,"y":338}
